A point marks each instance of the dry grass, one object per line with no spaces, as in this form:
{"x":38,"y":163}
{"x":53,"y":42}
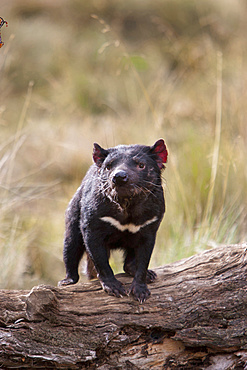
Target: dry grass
{"x":121,"y":72}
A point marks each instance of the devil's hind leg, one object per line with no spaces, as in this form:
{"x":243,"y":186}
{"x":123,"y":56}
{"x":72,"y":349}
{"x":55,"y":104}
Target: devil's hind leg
{"x":130,"y":266}
{"x":74,"y":247}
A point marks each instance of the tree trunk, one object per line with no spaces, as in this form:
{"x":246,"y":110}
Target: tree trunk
{"x":196,"y":318}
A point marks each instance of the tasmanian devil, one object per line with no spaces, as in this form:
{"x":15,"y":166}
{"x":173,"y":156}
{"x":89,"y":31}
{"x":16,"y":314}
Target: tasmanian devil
{"x":119,"y":204}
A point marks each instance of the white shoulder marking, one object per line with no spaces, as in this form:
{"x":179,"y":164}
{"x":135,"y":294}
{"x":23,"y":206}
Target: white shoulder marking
{"x":127,"y":227}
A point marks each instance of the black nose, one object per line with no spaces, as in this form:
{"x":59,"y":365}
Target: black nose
{"x":120,"y":178}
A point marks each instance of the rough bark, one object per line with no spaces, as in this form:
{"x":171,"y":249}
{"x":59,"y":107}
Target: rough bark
{"x":196,"y":318}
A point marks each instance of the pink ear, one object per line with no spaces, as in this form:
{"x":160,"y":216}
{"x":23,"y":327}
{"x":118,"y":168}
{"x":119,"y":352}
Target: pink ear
{"x":99,"y":154}
{"x":159,"y":148}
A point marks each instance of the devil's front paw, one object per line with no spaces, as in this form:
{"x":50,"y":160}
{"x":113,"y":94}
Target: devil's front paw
{"x":113,"y":287}
{"x":151,"y":276}
{"x":140,"y":291}
{"x":68,"y":281}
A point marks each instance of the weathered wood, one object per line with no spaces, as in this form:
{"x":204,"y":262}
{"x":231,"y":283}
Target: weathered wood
{"x":195,"y":318}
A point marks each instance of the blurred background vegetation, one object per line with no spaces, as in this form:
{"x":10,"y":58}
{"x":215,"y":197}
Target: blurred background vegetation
{"x":109,"y":71}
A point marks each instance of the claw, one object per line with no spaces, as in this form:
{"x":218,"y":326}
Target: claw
{"x":114,"y":288}
{"x":151,"y":276}
{"x":139,"y":291}
{"x":68,"y":281}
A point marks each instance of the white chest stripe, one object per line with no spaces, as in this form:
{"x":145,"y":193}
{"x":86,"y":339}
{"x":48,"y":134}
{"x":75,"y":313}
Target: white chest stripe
{"x":128,"y":227}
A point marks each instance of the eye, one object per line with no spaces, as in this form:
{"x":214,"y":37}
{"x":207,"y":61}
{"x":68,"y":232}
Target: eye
{"x":108,"y":166}
{"x":141,"y":165}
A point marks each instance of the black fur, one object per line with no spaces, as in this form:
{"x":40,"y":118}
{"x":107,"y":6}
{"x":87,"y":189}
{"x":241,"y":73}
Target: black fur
{"x":124,"y":186}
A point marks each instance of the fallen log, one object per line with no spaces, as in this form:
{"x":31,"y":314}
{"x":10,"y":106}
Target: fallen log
{"x":196,"y":318}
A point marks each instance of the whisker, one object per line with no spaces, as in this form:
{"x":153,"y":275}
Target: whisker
{"x":152,"y":183}
{"x":145,"y":190}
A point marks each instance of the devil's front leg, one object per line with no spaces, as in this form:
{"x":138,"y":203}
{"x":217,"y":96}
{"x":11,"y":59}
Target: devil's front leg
{"x":98,"y":252}
{"x":143,"y":253}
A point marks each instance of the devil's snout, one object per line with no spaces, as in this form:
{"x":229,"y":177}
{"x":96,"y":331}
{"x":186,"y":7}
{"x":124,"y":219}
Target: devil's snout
{"x":120,"y":177}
